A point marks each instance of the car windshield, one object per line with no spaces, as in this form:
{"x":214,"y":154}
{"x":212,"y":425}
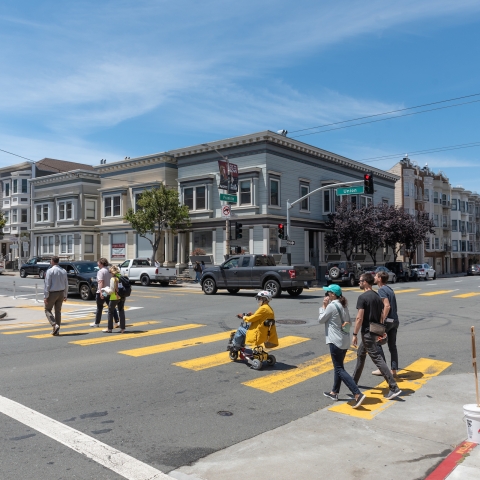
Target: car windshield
{"x":417,"y":266}
{"x":87,"y":267}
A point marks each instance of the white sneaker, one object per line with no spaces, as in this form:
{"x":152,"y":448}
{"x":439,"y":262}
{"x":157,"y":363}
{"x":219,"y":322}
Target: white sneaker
{"x":95,"y":324}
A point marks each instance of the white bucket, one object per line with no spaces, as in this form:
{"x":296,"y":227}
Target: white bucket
{"x":472,"y":418}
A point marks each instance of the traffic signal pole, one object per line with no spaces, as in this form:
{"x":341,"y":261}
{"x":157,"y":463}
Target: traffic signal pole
{"x":290,"y":205}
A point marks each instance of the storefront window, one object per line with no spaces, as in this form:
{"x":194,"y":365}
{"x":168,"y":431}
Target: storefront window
{"x":117,"y":246}
{"x":203,"y":240}
{"x":273,"y":241}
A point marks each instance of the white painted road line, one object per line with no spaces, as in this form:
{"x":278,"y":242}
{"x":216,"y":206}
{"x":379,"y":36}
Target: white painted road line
{"x":121,"y":463}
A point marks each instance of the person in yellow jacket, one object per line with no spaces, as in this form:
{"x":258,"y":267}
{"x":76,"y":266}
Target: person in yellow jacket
{"x":253,"y":331}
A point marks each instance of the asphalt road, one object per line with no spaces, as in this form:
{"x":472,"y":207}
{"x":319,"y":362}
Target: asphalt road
{"x":169,"y":415}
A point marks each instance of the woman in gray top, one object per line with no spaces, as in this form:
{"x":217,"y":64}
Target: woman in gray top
{"x":334,"y":314}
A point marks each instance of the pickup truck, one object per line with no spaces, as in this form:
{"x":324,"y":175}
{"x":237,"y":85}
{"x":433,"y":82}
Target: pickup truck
{"x":139,"y":269}
{"x":35,"y":266}
{"x":257,"y":272}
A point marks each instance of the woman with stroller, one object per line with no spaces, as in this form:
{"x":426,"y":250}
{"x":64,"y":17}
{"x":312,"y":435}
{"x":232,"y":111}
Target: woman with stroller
{"x":253,"y":331}
{"x":334,"y":314}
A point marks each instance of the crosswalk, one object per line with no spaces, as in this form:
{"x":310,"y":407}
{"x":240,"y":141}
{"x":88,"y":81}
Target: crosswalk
{"x":268,"y":382}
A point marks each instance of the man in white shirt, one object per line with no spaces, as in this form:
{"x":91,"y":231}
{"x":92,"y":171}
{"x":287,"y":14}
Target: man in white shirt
{"x":55,"y":293}
{"x":103,"y":280}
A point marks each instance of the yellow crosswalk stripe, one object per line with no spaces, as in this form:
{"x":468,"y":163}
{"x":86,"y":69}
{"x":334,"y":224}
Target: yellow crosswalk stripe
{"x":409,"y":380}
{"x":466,"y":295}
{"x":87,"y":330}
{"x":281,"y":380}
{"x":167,"y":347}
{"x":408,"y":290}
{"x":222,"y":358}
{"x":113,"y":337}
{"x":70,"y":325}
{"x":438,"y":292}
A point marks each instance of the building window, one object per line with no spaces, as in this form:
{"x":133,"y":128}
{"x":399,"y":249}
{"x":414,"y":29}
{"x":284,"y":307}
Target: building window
{"x":24,"y":215}
{"x":203,"y":239}
{"x":195,"y":197}
{"x":462,"y":206}
{"x":6,"y":216}
{"x":118,"y":246}
{"x":24,"y":185}
{"x":112,"y":206}
{"x":385,"y":201}
{"x":454,"y":245}
{"x":427,"y":194}
{"x":454,"y":204}
{"x":327,"y":204}
{"x":274,"y":192}
{"x":464,"y":245}
{"x":305,"y":204}
{"x":88,"y":243}
{"x":14,"y":215}
{"x":65,"y":210}
{"x":437,"y":243}
{"x":7,"y":189}
{"x":454,"y":226}
{"x":66,"y":243}
{"x":47,"y":244}
{"x":273,"y":241}
{"x":42,"y":213}
{"x":245,"y":192}
{"x":427,"y":243}
{"x":23,"y":199}
{"x":435,"y":220}
{"x":90,"y":209}
{"x":15,"y":186}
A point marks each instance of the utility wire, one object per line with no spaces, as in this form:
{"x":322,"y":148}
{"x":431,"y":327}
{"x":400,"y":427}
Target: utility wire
{"x":384,"y":119}
{"x":387,"y":113}
{"x":423,"y":152}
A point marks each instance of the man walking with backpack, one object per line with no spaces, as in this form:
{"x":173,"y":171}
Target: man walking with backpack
{"x":118,"y":293}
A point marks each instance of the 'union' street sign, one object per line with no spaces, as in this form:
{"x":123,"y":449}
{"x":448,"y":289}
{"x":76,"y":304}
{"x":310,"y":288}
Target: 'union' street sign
{"x":350,"y":190}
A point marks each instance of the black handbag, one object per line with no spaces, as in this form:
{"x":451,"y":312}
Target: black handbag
{"x":377,"y":329}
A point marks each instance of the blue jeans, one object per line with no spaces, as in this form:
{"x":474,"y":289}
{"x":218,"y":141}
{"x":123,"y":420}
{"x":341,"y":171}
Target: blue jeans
{"x":239,"y":337}
{"x":391,"y":330}
{"x":198,"y":276}
{"x":338,"y":356}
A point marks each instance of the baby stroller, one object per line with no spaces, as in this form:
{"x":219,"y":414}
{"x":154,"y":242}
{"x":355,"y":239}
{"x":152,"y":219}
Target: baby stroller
{"x":255,"y":356}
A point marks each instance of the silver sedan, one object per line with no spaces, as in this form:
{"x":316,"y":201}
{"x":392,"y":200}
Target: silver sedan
{"x":373,"y":270}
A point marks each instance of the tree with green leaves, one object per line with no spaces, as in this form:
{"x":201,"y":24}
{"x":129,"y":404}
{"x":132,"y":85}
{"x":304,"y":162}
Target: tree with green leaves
{"x":416,"y":234}
{"x":157,"y":209}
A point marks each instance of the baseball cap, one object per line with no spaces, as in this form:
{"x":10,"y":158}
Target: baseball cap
{"x":334,"y":288}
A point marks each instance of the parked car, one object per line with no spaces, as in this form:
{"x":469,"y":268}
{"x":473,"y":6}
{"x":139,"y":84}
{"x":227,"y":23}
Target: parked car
{"x":424,"y":270}
{"x":373,"y":270}
{"x":139,"y":269}
{"x":473,"y":269}
{"x":35,"y":266}
{"x":403,"y":271}
{"x":257,"y":272}
{"x":82,"y":277}
{"x":343,"y":272}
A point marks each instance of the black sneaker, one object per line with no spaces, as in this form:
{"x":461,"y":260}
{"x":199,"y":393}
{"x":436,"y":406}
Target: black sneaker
{"x":393,"y":393}
{"x":359,"y":400}
{"x":331,"y":396}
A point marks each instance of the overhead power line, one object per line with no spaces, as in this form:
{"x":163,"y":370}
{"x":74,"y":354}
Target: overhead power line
{"x":384,"y":119}
{"x":387,"y":113}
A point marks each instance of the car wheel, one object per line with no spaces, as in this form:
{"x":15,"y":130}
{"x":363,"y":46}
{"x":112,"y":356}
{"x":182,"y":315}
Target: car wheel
{"x":435,"y":276}
{"x":294,"y":292}
{"x":85,"y":292}
{"x":41,"y":274}
{"x":23,"y":273}
{"x":426,"y":276}
{"x":273,"y":287}
{"x":351,"y":281}
{"x":209,"y":286}
{"x":394,"y":279}
{"x":145,"y":280}
{"x":406,"y":278}
{"x":334,"y":273}
{"x":233,"y":291}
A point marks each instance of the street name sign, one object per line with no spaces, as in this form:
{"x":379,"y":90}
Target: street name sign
{"x":351,"y":190}
{"x":228,"y":198}
{"x":290,"y":242}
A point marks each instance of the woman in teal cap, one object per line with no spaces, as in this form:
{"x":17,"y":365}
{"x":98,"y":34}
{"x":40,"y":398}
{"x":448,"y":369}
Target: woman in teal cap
{"x":334,"y":314}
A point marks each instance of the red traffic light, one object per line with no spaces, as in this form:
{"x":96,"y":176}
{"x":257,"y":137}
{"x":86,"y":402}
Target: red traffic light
{"x":280,"y":225}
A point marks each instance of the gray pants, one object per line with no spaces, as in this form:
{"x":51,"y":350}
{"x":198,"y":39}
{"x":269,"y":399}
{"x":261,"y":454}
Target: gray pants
{"x":54,"y":300}
{"x":369,"y":346}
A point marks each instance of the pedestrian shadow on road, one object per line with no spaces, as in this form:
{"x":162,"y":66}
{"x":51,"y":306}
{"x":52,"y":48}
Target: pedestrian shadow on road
{"x":71,"y":334}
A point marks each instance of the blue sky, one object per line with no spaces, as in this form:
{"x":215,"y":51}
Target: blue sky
{"x":87,"y":80}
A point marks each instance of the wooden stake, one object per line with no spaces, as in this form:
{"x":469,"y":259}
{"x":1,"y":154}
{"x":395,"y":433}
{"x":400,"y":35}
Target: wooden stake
{"x":474,"y":357}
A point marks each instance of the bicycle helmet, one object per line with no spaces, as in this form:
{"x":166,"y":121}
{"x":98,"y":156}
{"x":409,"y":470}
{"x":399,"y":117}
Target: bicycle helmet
{"x":264,"y":295}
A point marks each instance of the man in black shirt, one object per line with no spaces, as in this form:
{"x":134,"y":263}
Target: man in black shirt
{"x":370,"y":307}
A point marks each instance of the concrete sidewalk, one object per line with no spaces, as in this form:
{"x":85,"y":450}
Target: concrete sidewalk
{"x":406,"y":441}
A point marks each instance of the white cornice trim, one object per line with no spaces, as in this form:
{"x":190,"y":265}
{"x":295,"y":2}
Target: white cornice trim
{"x":60,"y":177}
{"x":135,"y":162}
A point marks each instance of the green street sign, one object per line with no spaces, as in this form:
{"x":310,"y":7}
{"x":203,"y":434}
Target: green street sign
{"x":350,"y":190}
{"x":228,"y":198}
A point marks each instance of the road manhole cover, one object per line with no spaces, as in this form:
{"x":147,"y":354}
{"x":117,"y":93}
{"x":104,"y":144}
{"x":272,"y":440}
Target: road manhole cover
{"x":291,"y":322}
{"x":224,"y":413}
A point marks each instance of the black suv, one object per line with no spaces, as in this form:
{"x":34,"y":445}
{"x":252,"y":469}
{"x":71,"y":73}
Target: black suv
{"x":35,"y":266}
{"x":403,"y":271}
{"x":82,"y":277}
{"x":343,"y":272}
